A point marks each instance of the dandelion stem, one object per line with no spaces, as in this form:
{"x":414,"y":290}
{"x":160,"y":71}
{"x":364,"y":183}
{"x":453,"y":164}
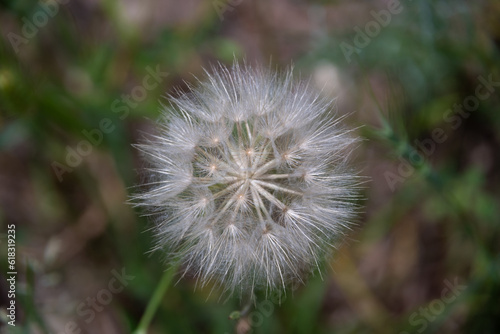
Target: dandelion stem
{"x":156,"y":299}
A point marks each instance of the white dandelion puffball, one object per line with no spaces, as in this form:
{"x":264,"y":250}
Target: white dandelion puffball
{"x":249,"y":179}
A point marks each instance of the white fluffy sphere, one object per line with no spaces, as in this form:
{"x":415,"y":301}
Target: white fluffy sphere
{"x":249,"y":179}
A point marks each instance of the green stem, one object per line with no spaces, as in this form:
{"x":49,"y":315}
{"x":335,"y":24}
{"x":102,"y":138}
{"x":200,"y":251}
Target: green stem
{"x":156,"y":299}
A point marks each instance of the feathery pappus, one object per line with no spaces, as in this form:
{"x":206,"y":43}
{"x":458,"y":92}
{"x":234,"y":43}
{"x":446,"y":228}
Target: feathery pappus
{"x":249,"y":179}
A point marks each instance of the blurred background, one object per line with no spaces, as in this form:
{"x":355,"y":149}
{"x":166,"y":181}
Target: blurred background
{"x":80,"y":81}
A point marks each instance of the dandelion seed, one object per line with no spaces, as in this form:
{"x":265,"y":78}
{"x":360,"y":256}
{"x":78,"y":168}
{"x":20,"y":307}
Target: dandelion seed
{"x":250,"y":179}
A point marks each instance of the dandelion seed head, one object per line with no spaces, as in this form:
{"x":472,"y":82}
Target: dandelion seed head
{"x":249,"y":179}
